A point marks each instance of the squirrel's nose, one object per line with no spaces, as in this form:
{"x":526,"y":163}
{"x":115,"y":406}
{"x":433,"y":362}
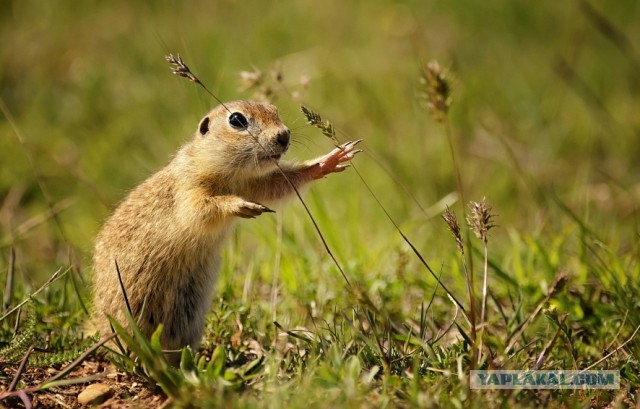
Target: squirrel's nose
{"x":283,"y":138}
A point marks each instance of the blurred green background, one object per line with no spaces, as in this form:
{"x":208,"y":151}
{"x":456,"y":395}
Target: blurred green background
{"x":546,"y":99}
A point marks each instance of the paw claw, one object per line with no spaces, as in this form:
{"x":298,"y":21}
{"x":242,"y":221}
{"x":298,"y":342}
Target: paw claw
{"x":350,"y":144}
{"x":250,"y":210}
{"x":352,"y":154}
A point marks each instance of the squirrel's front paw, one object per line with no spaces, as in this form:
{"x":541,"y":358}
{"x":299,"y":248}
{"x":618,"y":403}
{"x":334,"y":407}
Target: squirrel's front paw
{"x":332,"y":162}
{"x":249,"y":210}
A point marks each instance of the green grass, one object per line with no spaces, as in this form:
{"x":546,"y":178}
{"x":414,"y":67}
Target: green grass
{"x":544,"y":125}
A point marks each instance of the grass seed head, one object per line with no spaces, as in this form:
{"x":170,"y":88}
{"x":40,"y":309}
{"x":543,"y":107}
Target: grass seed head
{"x":436,"y":90}
{"x":251,"y":79}
{"x":314,"y":119}
{"x":452,"y":221}
{"x":480,"y":219}
{"x":180,"y":68}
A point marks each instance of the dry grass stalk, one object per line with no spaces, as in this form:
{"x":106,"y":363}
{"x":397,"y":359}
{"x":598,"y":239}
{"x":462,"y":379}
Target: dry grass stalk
{"x":437,"y":87}
{"x":57,"y":275}
{"x":547,"y":349}
{"x":8,"y":292}
{"x":480,"y":222}
{"x":452,"y":222}
{"x":328,"y":130}
{"x":558,"y":283}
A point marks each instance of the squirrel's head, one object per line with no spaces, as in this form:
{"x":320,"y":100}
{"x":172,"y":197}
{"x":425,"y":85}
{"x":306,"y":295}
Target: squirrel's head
{"x":246,"y":136}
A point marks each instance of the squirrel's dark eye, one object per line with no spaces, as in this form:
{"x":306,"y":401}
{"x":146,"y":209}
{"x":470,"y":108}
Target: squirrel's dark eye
{"x":238,"y":121}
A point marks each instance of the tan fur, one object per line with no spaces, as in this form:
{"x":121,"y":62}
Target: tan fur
{"x":166,"y":235}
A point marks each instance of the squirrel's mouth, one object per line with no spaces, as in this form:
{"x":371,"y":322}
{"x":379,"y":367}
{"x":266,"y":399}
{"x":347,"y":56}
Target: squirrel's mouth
{"x":275,"y":157}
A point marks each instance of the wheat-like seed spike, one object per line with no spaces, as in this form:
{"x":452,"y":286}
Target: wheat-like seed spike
{"x":316,"y":120}
{"x":312,"y":117}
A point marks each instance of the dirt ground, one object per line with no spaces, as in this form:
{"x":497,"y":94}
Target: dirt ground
{"x":124,"y":391}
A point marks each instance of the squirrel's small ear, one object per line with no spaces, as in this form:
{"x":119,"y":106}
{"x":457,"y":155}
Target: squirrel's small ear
{"x":204,"y":126}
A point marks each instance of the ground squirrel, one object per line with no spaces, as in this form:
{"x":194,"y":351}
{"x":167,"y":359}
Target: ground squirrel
{"x":166,"y":235}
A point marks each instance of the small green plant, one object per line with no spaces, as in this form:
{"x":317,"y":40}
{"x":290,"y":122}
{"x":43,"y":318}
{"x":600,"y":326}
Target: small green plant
{"x":42,"y":354}
{"x":23,"y":339}
{"x":197,"y":373}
